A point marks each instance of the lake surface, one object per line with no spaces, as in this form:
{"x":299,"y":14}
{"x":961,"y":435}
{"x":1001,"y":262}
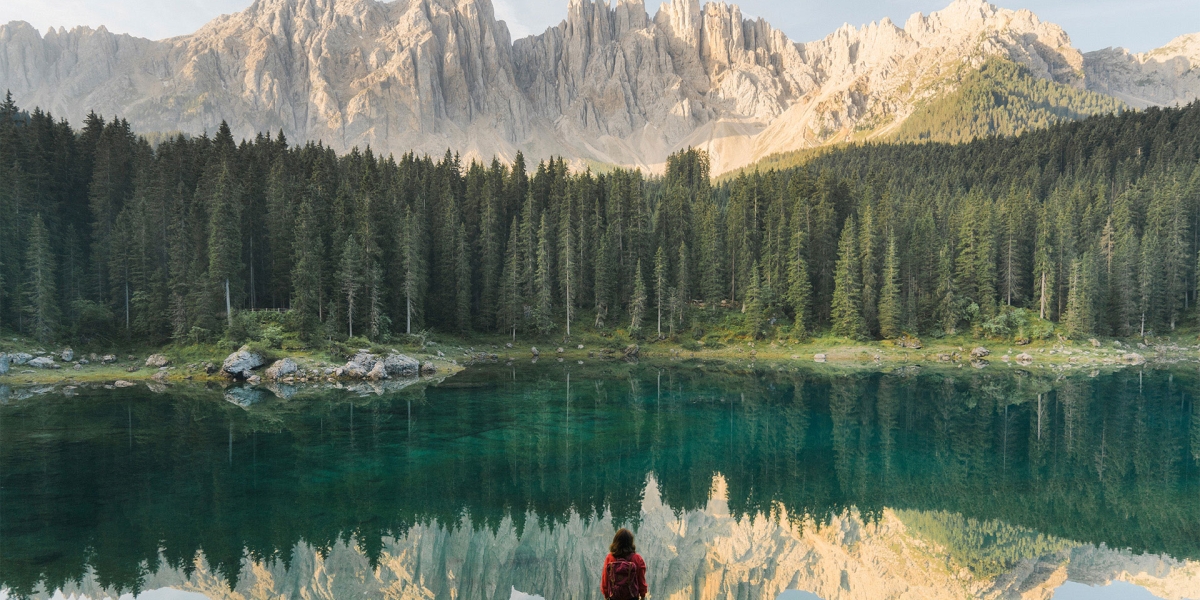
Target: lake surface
{"x":506,"y":480}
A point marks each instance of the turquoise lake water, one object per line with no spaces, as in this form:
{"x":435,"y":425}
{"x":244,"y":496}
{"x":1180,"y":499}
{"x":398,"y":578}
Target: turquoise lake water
{"x":505,"y":480}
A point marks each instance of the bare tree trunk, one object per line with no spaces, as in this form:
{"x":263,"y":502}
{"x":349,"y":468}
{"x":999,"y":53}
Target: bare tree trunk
{"x":228,"y":305}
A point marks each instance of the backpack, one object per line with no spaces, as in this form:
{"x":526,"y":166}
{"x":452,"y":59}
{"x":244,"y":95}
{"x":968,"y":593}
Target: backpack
{"x":622,"y":579}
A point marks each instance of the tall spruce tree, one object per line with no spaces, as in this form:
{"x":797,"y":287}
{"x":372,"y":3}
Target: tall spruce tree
{"x":225,"y":237}
{"x":799,"y":290}
{"x":754,"y":304}
{"x":846,"y":309}
{"x":637,"y":303}
{"x":351,"y":276}
{"x":41,"y":296}
{"x":889,"y":297}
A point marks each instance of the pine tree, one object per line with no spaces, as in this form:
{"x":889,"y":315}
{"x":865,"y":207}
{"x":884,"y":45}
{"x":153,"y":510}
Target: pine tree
{"x":225,"y":237}
{"x":754,"y":304}
{"x":889,"y":296}
{"x":603,"y":286}
{"x":566,"y":265}
{"x":637,"y":304}
{"x":307,"y":259}
{"x":948,"y":310}
{"x":544,"y":311}
{"x":660,"y":285}
{"x":350,"y":277}
{"x":41,"y":297}
{"x":1079,"y":320}
{"x":682,"y":295}
{"x":462,"y":281}
{"x":509,"y":315}
{"x":799,"y":291}
{"x":870,"y":283}
{"x":847,"y":293}
{"x":412,"y":255}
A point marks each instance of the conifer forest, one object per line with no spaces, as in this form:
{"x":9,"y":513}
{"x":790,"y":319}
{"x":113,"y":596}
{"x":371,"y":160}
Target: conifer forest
{"x":1088,"y":228}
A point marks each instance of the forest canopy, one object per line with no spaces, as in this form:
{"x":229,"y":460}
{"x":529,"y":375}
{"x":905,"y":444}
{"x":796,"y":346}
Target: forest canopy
{"x":1092,"y":225}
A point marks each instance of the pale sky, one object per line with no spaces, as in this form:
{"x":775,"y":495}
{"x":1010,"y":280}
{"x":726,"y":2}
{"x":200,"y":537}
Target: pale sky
{"x":1135,"y":24}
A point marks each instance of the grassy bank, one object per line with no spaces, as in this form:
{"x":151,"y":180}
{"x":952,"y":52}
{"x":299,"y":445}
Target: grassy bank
{"x":450,"y":353}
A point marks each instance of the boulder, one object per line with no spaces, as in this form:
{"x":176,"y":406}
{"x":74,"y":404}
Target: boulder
{"x":908,"y":341}
{"x":980,"y":352}
{"x":242,"y":362}
{"x":67,"y":355}
{"x":210,"y":368}
{"x":399,"y":365}
{"x":19,"y":358}
{"x":282,"y":368}
{"x":157,"y":360}
{"x":820,"y":358}
{"x":1024,"y":358}
{"x":362,"y":361}
{"x":1095,"y":342}
{"x":632,"y":351}
{"x":160,"y":377}
{"x":108,"y":359}
{"x":121,"y":383}
{"x":534,"y":351}
{"x":428,"y":369}
{"x":254,"y":380}
{"x":43,"y":362}
{"x":378,"y":372}
{"x":560,"y":350}
{"x":4,"y":364}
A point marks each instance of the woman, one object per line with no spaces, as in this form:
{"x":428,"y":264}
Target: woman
{"x":624,"y":574}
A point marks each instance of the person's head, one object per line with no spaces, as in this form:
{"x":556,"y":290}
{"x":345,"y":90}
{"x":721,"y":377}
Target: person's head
{"x":622,"y":544}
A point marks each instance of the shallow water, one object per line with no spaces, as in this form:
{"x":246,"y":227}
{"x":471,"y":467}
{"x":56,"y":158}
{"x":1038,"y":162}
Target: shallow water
{"x":738,"y":485}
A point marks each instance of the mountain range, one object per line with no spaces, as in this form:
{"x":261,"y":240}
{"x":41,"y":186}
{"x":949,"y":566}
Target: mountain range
{"x":610,"y":85}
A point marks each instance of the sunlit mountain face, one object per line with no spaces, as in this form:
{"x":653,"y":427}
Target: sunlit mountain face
{"x":738,"y":485}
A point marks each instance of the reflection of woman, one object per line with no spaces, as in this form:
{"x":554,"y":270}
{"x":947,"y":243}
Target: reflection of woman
{"x":624,"y":575}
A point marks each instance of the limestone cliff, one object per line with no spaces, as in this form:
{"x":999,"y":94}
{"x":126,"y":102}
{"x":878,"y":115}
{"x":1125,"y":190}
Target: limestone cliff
{"x":609,"y":84}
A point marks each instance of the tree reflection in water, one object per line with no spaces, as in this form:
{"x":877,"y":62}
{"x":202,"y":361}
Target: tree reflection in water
{"x":120,"y":488}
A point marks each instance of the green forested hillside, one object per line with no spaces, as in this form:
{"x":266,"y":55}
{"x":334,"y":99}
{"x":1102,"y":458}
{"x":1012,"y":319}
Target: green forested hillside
{"x":1091,"y":224}
{"x":1001,"y":98}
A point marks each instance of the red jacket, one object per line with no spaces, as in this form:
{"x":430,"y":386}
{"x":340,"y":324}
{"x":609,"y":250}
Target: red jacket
{"x":641,"y":574}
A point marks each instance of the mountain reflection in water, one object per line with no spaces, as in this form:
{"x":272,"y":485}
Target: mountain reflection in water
{"x":737,"y":485}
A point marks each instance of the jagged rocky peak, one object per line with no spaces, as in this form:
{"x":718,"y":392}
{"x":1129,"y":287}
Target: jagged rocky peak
{"x":610,"y":83}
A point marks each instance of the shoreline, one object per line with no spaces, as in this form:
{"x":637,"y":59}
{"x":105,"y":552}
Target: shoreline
{"x":453,"y":356}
